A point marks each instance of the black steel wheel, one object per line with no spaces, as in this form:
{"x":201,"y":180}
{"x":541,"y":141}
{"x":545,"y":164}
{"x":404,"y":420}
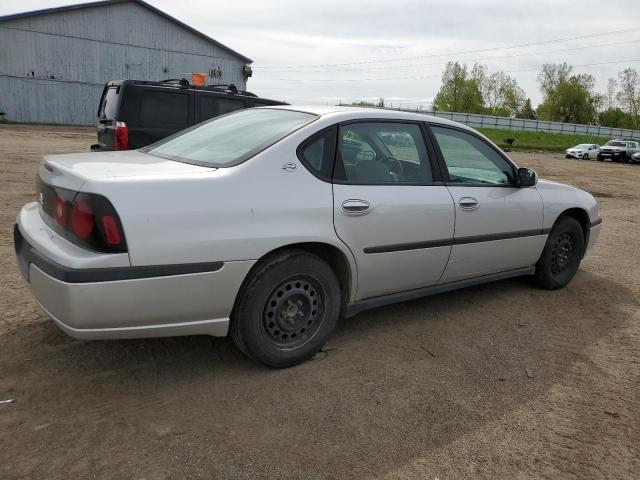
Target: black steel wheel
{"x":287,"y":310}
{"x":562,"y":254}
{"x":294,"y":311}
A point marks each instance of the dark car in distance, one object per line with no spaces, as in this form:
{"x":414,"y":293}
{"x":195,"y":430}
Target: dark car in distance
{"x":135,"y":113}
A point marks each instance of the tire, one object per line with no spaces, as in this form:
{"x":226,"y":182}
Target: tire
{"x":562,"y":254}
{"x":599,"y":158}
{"x":287,"y":310}
{"x":585,"y":156}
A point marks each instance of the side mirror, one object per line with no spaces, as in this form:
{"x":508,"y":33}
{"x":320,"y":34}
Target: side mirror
{"x":526,"y":177}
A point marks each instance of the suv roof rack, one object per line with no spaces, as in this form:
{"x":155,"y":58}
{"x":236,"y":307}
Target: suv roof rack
{"x":228,"y":88}
{"x":183,"y":82}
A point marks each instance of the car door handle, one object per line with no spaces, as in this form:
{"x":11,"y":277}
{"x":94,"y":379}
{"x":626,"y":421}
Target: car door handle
{"x":468,"y":203}
{"x":355,"y":207}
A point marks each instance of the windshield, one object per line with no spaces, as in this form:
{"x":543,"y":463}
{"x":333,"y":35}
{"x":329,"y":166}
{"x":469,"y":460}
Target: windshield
{"x":613,"y":143}
{"x":230,"y":139}
{"x":582,"y":146}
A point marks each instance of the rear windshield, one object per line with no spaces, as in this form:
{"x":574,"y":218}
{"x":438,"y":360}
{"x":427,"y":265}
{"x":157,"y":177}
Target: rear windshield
{"x":230,"y":139}
{"x":109,"y":104}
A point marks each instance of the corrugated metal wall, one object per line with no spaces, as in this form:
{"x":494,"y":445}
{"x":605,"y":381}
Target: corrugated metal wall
{"x":53,"y":66}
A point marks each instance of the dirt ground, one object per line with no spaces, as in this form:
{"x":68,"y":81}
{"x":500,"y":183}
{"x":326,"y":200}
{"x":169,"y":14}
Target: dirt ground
{"x":497,"y":381}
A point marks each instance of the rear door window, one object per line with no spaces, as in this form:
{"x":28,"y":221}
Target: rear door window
{"x":382,"y":152}
{"x":164,"y":108}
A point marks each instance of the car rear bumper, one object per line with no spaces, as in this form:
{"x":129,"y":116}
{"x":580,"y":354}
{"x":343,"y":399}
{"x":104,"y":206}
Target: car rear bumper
{"x":126,"y":302}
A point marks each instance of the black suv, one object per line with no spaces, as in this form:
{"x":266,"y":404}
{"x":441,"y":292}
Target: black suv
{"x":136,"y":113}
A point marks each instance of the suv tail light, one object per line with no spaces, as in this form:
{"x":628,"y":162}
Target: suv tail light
{"x":121,"y":138}
{"x":86,"y":219}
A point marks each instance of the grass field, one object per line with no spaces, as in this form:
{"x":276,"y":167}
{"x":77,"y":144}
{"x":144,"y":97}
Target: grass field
{"x":553,"y":142}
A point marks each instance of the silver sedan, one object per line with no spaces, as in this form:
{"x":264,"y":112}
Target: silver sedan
{"x":269,"y":224}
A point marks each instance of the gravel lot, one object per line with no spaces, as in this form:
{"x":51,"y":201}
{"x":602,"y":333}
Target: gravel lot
{"x":498,"y":381}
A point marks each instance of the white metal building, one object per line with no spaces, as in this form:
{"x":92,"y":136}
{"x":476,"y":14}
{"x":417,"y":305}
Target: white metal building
{"x":55,"y":62}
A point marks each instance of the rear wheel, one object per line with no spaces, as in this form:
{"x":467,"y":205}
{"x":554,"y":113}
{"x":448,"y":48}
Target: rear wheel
{"x":562,"y":254}
{"x":288,"y":310}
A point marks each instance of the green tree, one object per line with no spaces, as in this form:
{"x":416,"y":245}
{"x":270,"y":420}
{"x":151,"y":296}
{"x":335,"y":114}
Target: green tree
{"x":527,"y":111}
{"x":566,"y":97}
{"x":629,"y":94}
{"x":460,"y":90}
{"x":615,"y":118}
{"x":362,"y":103}
{"x":502,"y":95}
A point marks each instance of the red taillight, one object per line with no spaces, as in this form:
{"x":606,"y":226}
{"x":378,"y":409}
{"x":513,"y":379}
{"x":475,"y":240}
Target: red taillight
{"x":111,"y":233}
{"x":81,"y":220}
{"x":61,"y":211}
{"x":86,"y":219}
{"x":121,"y":139}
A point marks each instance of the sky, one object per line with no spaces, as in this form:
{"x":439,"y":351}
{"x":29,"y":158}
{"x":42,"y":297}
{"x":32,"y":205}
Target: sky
{"x":330,"y":51}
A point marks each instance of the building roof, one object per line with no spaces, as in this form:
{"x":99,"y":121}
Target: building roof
{"x":112,"y":2}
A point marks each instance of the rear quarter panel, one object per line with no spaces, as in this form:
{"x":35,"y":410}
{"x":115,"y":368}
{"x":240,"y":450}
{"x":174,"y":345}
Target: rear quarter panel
{"x":228,"y":214}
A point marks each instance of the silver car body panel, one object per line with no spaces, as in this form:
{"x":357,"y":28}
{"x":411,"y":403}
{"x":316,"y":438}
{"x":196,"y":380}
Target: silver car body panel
{"x":557,"y":198}
{"x":177,"y":213}
{"x":499,"y":211}
{"x":403,"y":220}
{"x":162,"y":306}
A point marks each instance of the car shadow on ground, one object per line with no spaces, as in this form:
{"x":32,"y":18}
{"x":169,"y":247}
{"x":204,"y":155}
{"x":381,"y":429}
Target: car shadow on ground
{"x":392,"y":384}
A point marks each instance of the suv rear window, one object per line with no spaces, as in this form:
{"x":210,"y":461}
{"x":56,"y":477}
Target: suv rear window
{"x":166,"y":108}
{"x":109,"y":103}
{"x":230,"y":139}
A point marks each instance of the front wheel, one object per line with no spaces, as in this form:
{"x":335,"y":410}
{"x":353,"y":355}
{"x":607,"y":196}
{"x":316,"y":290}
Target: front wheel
{"x":562,"y":254}
{"x":585,"y":156}
{"x":287,"y":310}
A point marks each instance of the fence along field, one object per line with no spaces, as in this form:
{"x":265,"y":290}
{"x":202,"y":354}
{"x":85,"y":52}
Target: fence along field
{"x":476,"y":120}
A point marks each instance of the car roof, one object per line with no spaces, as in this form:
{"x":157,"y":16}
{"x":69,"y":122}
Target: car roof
{"x":343,"y":113}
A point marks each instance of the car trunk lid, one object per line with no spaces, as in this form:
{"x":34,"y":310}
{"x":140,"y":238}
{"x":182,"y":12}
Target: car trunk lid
{"x":71,"y":171}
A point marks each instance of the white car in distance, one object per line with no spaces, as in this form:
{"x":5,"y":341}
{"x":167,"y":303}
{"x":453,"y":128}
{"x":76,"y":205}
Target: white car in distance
{"x":584,"y":151}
